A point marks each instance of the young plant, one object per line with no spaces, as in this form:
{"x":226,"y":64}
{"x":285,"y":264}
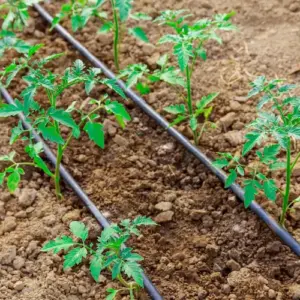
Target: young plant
{"x":48,"y":121}
{"x":276,"y":127}
{"x":17,"y":14}
{"x":80,"y":11}
{"x":108,"y":254}
{"x":189,"y":41}
{"x":8,"y":40}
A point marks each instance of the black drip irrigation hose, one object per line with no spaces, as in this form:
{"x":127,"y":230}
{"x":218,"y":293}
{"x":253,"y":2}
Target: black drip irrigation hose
{"x":151,"y":289}
{"x":141,"y":103}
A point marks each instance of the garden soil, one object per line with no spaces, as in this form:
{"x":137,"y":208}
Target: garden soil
{"x":207,"y":245}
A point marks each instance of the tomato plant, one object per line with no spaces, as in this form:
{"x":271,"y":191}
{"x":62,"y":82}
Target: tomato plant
{"x":276,"y":128}
{"x":80,"y":11}
{"x":108,"y":254}
{"x":48,"y":121}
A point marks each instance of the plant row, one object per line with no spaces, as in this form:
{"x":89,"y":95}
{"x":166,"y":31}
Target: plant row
{"x":273,"y":133}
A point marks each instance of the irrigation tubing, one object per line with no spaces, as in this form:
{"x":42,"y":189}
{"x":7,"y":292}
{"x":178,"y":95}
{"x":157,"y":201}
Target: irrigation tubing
{"x":151,"y":289}
{"x":141,"y":103}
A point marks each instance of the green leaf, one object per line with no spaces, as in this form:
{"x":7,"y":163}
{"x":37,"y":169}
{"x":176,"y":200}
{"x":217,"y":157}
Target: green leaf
{"x":264,"y":100}
{"x":162,"y":61}
{"x":95,"y":132}
{"x":79,"y":230}
{"x":77,"y":22}
{"x":193,"y":123}
{"x":287,"y":88}
{"x":140,"y":16}
{"x":113,"y":84}
{"x":253,"y":139}
{"x":175,"y":109}
{"x":116,"y":270}
{"x":206,"y":100}
{"x":202,"y":53}
{"x":106,"y":27}
{"x":240,"y":170}
{"x":117,"y":109}
{"x":231,"y":178}
{"x":178,"y":120}
{"x":134,"y":270}
{"x":270,"y":189}
{"x":50,"y":133}
{"x":112,"y":294}
{"x":13,"y":181}
{"x":143,"y":89}
{"x":74,"y":257}
{"x":220,"y":163}
{"x":250,"y":192}
{"x":64,"y":118}
{"x":183,"y":51}
{"x":294,"y":132}
{"x":96,"y":266}
{"x":7,"y":110}
{"x":124,"y":7}
{"x":143,"y":221}
{"x":60,"y":243}
{"x":139,"y":33}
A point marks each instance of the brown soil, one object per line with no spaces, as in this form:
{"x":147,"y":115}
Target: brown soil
{"x":212,"y":248}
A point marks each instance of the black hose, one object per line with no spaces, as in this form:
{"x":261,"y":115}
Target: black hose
{"x":237,"y":190}
{"x":152,"y":291}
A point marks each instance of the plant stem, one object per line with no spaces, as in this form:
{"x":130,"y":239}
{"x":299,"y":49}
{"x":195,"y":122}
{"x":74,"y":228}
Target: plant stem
{"x":189,"y":100}
{"x":116,"y":35}
{"x":285,"y":204}
{"x":59,"y":156}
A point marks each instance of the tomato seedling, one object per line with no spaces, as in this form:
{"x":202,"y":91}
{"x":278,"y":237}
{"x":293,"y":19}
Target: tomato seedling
{"x":48,"y":121}
{"x":280,"y":122}
{"x":17,"y":15}
{"x":108,"y":254}
{"x":80,"y":11}
{"x":189,"y":41}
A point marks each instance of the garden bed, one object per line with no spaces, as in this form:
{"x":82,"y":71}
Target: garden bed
{"x":211,"y":247}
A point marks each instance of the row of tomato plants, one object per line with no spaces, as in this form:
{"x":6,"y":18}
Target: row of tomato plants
{"x":273,"y":132}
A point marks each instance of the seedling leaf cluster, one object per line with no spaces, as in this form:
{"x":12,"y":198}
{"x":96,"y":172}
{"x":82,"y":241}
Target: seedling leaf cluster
{"x":109,"y":253}
{"x":274,"y":130}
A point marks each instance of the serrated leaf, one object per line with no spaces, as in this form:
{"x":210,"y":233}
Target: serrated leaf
{"x":113,"y":84}
{"x":202,"y":53}
{"x":253,"y":139}
{"x":178,"y":120}
{"x":112,"y":294}
{"x":124,"y":7}
{"x":96,"y":266}
{"x":270,"y":189}
{"x":205,"y":100}
{"x":287,"y":88}
{"x":183,"y":51}
{"x":7,"y":110}
{"x":220,"y":163}
{"x":134,"y":270}
{"x":139,"y":33}
{"x":143,"y":89}
{"x":106,"y":27}
{"x":175,"y":109}
{"x":193,"y":123}
{"x":74,"y":257}
{"x":116,"y":269}
{"x":79,"y":230}
{"x":60,"y":243}
{"x":231,"y":178}
{"x":13,"y":181}
{"x":64,"y":118}
{"x":50,"y":133}
{"x":95,"y":132}
{"x":141,"y":16}
{"x":143,"y":221}
{"x":240,"y":170}
{"x":118,"y":109}
{"x":294,"y":132}
{"x":250,"y":192}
